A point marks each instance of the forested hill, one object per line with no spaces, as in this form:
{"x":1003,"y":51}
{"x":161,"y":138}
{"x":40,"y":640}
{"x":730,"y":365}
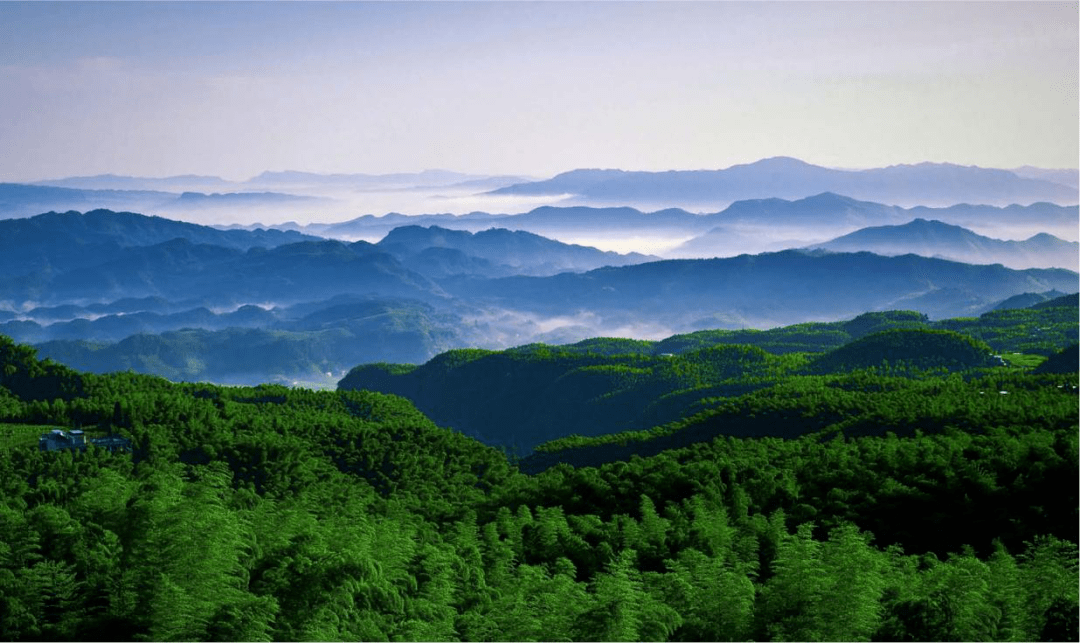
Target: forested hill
{"x":269,"y":513}
{"x":537,"y":393}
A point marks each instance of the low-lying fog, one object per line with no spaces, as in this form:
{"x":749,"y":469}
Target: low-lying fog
{"x":335,"y":206}
{"x":505,"y":328}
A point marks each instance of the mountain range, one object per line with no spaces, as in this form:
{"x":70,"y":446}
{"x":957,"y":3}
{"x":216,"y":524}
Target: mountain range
{"x":789,"y":178}
{"x":270,"y":195}
{"x":745,"y":226}
{"x":937,"y":239}
{"x":105,"y":277}
{"x":59,"y":241}
{"x":1067,"y":177}
{"x":443,"y":252}
{"x":101,"y":255}
{"x":21,"y":200}
{"x":310,"y":196}
{"x":772,"y":224}
{"x":765,"y":289}
{"x":313,"y":344}
{"x":275,"y":181}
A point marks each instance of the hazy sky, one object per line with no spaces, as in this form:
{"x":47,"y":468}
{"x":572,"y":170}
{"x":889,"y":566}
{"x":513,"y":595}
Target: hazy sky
{"x":155,"y":89}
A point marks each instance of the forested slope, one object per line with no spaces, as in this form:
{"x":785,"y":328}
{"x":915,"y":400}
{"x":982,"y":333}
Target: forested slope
{"x":273,"y":513}
{"x":535,"y":393}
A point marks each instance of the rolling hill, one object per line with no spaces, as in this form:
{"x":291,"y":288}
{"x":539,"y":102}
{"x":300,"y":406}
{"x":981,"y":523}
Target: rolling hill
{"x":608,"y":385}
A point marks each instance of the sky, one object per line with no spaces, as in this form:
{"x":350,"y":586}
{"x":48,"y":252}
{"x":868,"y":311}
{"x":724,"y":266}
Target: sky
{"x":233,"y":89}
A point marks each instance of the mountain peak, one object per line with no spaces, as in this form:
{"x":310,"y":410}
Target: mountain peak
{"x":776,"y":164}
{"x":828,"y":197}
{"x":783,"y":160}
{"x":591,"y":173}
{"x":919,"y":222}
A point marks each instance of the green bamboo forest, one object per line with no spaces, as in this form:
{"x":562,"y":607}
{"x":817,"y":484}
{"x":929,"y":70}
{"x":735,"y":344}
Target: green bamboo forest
{"x":886,"y":478}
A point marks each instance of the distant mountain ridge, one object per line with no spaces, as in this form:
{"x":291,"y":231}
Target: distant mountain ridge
{"x":814,"y":209}
{"x":543,"y":220}
{"x":518,"y":251}
{"x":180,"y":269}
{"x":825,"y":211}
{"x":743,"y":224}
{"x":927,"y":184}
{"x":767,"y":289}
{"x":185,"y":182}
{"x":938,"y":239}
{"x":101,"y":275}
{"x":203,"y":183}
{"x":104,"y":255}
{"x":284,"y":345}
{"x":426,"y":177}
{"x":69,"y":240}
{"x":789,"y":178}
{"x":1069,"y":177}
{"x":19,"y":200}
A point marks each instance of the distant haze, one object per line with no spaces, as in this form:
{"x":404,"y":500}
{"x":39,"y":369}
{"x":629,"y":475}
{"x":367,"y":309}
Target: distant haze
{"x":233,"y":89}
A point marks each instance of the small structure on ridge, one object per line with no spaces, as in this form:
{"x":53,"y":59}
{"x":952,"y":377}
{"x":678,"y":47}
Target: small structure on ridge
{"x":58,"y":439}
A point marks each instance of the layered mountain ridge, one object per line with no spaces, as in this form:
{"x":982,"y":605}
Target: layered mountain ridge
{"x":938,"y":239}
{"x":784,"y":177}
{"x":90,"y":282}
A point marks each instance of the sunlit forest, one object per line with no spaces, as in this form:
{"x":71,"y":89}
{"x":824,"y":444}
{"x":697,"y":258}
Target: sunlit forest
{"x":900,"y":500}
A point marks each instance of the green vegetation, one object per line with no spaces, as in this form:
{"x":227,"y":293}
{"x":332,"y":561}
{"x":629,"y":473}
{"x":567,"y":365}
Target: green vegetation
{"x":597,"y":392}
{"x":916,"y":348}
{"x":1040,"y":331}
{"x":882,"y":506}
{"x":20,"y":435}
{"x":1020,"y":360}
{"x":1043,"y":329}
{"x":1064,"y":361}
{"x":608,"y":385}
{"x":866,"y":402}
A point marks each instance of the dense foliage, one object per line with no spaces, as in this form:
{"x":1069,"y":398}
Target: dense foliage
{"x":597,"y":392}
{"x":608,"y":385}
{"x":273,"y":513}
{"x":912,"y":348}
